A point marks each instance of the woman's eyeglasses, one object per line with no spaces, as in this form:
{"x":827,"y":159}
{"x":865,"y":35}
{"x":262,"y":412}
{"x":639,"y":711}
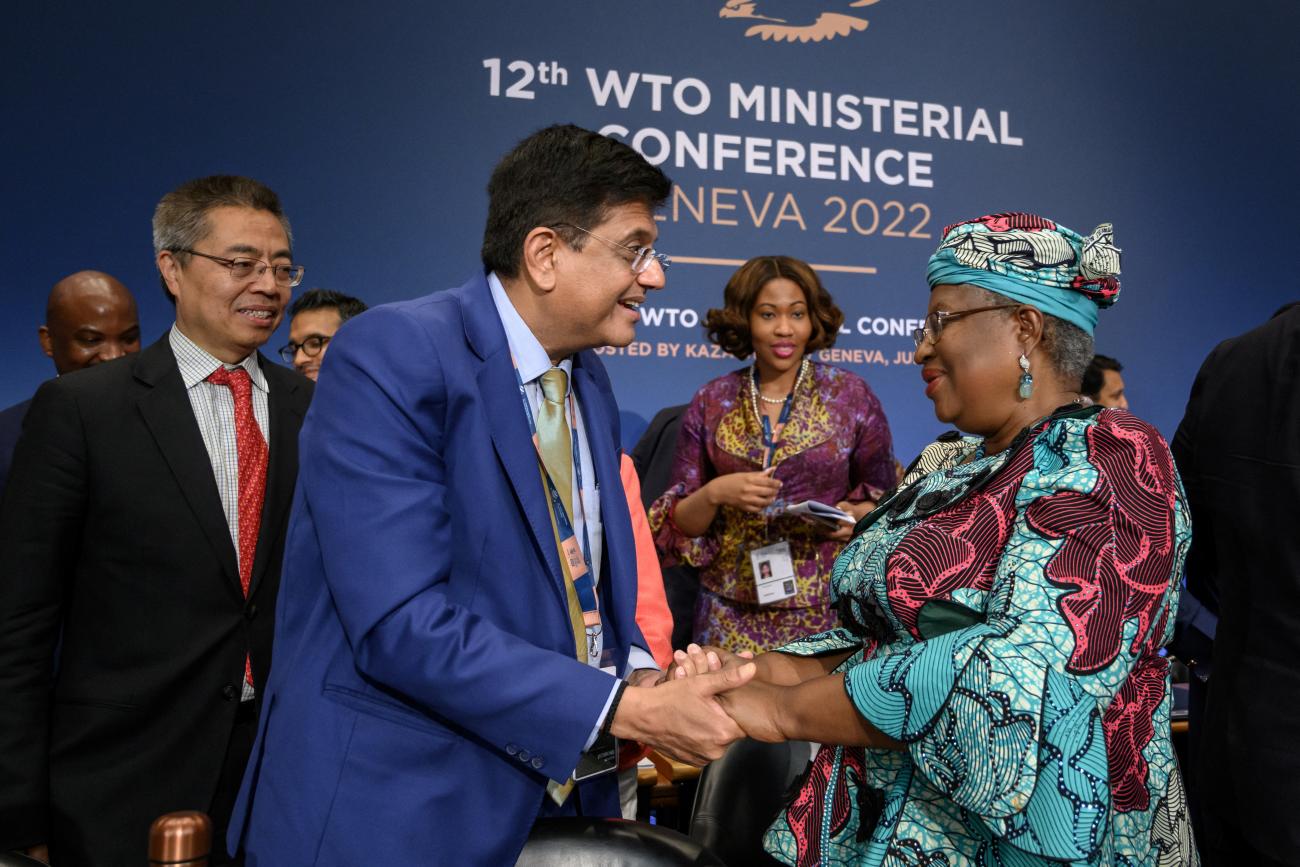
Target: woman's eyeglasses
{"x":939,"y":319}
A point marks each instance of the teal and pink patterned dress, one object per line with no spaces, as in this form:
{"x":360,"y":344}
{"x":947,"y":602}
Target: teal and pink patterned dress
{"x":1007,"y":613}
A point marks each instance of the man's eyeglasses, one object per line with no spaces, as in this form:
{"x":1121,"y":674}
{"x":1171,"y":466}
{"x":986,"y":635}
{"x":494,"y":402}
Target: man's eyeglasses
{"x":939,"y":319}
{"x":241,"y":268}
{"x":641,"y":256}
{"x":311,"y":347}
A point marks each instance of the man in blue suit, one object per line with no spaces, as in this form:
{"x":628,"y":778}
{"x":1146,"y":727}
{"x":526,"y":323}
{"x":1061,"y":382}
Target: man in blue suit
{"x":455,"y":631}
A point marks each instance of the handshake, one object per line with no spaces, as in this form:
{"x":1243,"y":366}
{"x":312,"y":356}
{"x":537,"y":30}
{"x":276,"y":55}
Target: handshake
{"x":706,"y":699}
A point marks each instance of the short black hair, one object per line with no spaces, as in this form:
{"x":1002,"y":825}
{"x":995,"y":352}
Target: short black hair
{"x":562,"y":174}
{"x":1095,"y":375}
{"x":319,"y":299}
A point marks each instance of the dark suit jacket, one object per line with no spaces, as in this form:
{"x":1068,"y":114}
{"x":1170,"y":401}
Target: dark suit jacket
{"x":425,"y":685}
{"x":653,"y":456}
{"x":114,"y":549}
{"x":11,"y":425}
{"x":1238,"y":449}
{"x":653,"y":453}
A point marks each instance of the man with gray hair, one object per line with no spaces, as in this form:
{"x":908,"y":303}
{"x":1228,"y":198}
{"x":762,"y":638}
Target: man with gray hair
{"x":140,"y":545}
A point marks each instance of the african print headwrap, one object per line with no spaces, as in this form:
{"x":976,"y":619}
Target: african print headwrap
{"x":1032,"y":260}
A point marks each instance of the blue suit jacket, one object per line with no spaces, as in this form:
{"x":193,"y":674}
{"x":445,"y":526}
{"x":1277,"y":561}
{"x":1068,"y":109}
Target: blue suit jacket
{"x":424,"y":685}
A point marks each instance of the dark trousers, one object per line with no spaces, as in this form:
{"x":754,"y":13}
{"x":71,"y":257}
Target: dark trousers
{"x":232,"y":774}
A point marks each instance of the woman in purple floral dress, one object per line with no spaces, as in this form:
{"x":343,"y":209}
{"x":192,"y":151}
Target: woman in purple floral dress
{"x":781,"y":431}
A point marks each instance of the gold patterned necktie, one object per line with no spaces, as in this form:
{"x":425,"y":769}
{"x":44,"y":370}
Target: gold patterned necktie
{"x":555,"y":442}
{"x":553,"y":435}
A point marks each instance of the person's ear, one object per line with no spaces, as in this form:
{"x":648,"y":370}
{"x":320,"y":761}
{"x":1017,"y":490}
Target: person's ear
{"x":170,"y":269}
{"x":47,"y":344}
{"x":1029,"y":327}
{"x":542,"y":247}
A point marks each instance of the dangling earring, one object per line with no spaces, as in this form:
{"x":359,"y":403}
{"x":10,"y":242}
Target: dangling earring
{"x":1026,"y":378}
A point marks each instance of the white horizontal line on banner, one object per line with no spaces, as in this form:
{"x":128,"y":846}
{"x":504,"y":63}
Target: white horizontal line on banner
{"x":735,"y":263}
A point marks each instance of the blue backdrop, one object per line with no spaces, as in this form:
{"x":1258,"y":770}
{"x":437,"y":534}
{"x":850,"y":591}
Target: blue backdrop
{"x":378,"y":124}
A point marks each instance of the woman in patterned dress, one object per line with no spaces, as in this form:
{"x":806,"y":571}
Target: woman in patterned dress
{"x":994,"y":693}
{"x":834,"y":447}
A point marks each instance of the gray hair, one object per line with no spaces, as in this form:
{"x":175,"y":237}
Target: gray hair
{"x":181,"y":219}
{"x":1068,"y":347}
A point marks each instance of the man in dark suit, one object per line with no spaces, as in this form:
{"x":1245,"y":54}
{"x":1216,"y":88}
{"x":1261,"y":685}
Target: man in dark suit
{"x":440,"y":676}
{"x":90,"y":318}
{"x":140,"y":545}
{"x":1238,"y":449}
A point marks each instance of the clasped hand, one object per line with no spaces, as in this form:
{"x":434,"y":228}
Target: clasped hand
{"x":754,"y":706}
{"x":707,"y":699}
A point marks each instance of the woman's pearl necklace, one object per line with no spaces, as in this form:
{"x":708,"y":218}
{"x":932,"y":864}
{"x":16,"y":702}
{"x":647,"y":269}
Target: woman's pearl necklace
{"x":755,"y":395}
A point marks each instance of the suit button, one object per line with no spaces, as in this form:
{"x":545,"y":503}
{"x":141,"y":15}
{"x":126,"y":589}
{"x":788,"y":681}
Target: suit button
{"x":228,"y":692}
{"x":537,"y":762}
{"x":250,"y":612}
{"x":512,"y":750}
{"x":524,"y":756}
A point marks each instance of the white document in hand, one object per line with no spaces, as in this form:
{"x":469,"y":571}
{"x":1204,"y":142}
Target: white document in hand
{"x":820,"y":512}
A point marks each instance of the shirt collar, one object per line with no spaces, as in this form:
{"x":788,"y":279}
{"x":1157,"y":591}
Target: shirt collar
{"x":530,"y":357}
{"x":197,"y":364}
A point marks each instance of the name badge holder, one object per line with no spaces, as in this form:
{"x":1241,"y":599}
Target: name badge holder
{"x":577,"y":559}
{"x":602,"y":756}
{"x":772,"y":564}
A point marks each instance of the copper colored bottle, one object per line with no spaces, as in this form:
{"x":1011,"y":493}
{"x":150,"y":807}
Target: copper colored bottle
{"x":182,"y":839}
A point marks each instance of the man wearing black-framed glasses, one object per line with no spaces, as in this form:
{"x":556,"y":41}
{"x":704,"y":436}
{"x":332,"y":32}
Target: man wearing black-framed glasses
{"x":314,"y":318}
{"x":140,"y":546}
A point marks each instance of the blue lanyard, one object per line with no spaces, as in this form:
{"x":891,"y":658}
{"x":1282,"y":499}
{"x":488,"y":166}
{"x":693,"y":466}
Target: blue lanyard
{"x":770,"y":435}
{"x":583,"y":584}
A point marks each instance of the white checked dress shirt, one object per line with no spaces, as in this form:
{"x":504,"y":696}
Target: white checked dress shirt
{"x":214,"y":410}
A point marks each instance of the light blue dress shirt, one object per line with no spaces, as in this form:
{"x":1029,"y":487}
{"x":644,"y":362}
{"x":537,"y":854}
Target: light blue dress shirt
{"x":532,"y":361}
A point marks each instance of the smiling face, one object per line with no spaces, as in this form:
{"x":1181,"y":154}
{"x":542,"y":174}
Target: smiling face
{"x":226,"y":317}
{"x":779,"y":327}
{"x":971,"y":373}
{"x":596,"y":298}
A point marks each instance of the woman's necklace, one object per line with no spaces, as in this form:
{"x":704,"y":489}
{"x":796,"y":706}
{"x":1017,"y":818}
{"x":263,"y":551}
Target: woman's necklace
{"x":771,"y":434}
{"x":755,"y":395}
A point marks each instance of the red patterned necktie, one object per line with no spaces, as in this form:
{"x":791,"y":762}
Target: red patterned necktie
{"x":251,"y":449}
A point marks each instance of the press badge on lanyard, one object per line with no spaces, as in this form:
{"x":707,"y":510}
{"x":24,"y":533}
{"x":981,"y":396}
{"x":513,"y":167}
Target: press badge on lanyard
{"x":577,"y":558}
{"x":773,"y":564}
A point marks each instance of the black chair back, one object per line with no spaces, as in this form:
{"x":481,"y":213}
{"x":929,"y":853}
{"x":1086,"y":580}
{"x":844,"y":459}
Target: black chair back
{"x":741,"y":793}
{"x":586,"y":842}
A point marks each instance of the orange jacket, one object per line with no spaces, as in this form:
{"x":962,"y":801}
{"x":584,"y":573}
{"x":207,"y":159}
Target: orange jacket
{"x":652,"y":614}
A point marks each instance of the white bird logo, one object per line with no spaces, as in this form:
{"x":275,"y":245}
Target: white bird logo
{"x":827,"y":26}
